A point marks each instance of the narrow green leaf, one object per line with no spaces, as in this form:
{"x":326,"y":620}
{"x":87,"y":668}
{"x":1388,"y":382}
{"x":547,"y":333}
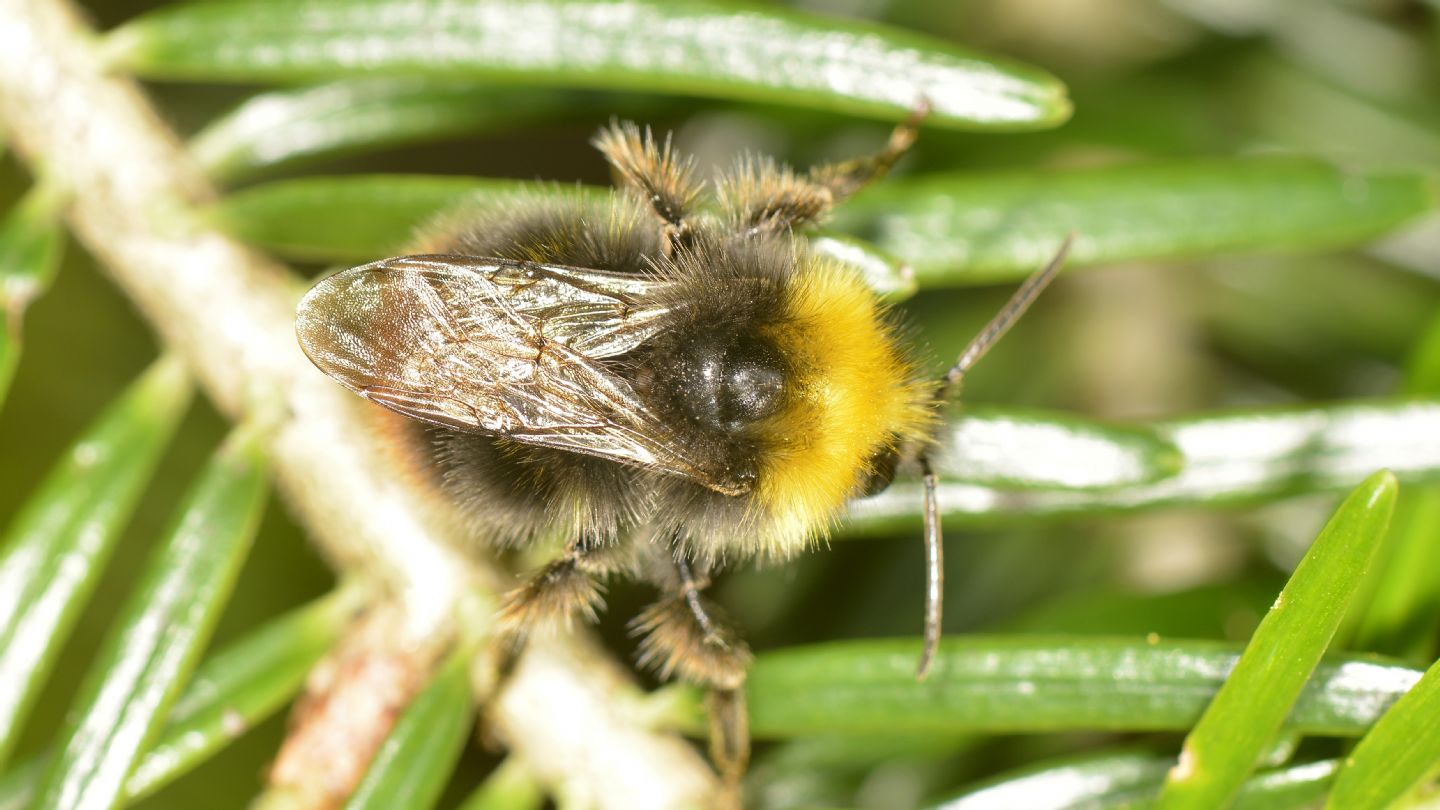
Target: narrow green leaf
{"x":1297,"y":787}
{"x":840,"y":753}
{"x":61,"y":539}
{"x":1097,"y":783}
{"x":31,"y":239}
{"x":1227,"y":457}
{"x":358,"y":218}
{"x":239,"y":686}
{"x":1033,"y":450}
{"x":1223,"y":748}
{"x":1130,"y":781}
{"x":365,"y":217}
{"x":1296,"y":108}
{"x":1422,"y":372}
{"x":231,"y":692}
{"x":17,"y":785}
{"x":1206,"y":611}
{"x":1404,"y":606}
{"x":508,"y":787}
{"x":1401,"y":749}
{"x":823,"y":770}
{"x":1024,"y":684}
{"x":295,"y":126}
{"x":974,"y":228}
{"x":160,"y":634}
{"x":413,"y":764}
{"x":954,"y":229}
{"x":756,"y":53}
{"x":1403,"y":611}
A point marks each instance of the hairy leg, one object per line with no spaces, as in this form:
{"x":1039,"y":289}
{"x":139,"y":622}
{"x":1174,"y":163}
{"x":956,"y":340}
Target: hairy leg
{"x":565,"y":588}
{"x":685,"y":637}
{"x":761,"y":196}
{"x":653,"y":172}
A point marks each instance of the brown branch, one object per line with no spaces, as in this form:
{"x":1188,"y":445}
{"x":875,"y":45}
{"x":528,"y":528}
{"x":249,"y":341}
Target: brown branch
{"x":228,"y":310}
{"x":352,"y":699}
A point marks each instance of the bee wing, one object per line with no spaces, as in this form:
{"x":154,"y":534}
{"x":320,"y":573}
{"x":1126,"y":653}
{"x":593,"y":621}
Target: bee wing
{"x":501,"y":347}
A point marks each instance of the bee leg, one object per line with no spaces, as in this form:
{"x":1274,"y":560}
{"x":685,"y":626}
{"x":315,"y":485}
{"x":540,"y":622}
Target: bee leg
{"x":550,"y":599}
{"x":685,"y":637}
{"x":763,"y":197}
{"x":934,"y":571}
{"x":847,"y":177}
{"x":563,"y":589}
{"x":729,"y":739}
{"x":655,"y":174}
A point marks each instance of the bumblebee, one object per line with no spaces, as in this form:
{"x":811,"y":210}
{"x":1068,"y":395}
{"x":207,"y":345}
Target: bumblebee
{"x":669,"y":382}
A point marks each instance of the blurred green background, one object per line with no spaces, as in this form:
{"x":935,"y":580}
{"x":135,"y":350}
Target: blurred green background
{"x":1351,"y":81}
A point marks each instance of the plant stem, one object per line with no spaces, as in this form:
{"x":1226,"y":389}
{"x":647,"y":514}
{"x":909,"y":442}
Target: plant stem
{"x":132,"y":194}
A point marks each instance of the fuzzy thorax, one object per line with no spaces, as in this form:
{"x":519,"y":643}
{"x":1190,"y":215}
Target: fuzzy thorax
{"x":853,"y":395}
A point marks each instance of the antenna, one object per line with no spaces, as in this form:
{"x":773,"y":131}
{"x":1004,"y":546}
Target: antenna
{"x":979,"y":345}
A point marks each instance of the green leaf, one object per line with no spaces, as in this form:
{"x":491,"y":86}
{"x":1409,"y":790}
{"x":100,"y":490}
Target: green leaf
{"x":1296,"y":108}
{"x":1401,"y":614}
{"x":1403,"y":610}
{"x":357,"y":218}
{"x":826,"y":769}
{"x":18,"y":783}
{"x":231,"y":691}
{"x":1223,"y":748}
{"x":31,"y":239}
{"x":414,"y":763}
{"x":297,"y":126}
{"x":1294,"y":788}
{"x":1026,"y":684}
{"x":239,"y":686}
{"x":61,"y":539}
{"x":1034,"y":450}
{"x":688,"y":47}
{"x":973,"y":228}
{"x":160,"y":633}
{"x":1400,"y":750}
{"x":366,"y":217}
{"x":1206,"y":611}
{"x":839,"y":753}
{"x":1093,"y":782}
{"x":961,"y":229}
{"x":1422,"y":372}
{"x":1227,"y":457}
{"x":508,"y":787}
{"x":1130,"y":781}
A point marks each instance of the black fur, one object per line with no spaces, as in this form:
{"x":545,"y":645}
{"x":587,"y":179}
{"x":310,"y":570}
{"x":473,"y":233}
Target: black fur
{"x":610,"y":233}
{"x":710,"y":374}
{"x":728,"y":292}
{"x":512,"y":491}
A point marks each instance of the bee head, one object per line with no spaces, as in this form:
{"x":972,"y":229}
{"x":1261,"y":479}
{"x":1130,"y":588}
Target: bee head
{"x":784,"y":368}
